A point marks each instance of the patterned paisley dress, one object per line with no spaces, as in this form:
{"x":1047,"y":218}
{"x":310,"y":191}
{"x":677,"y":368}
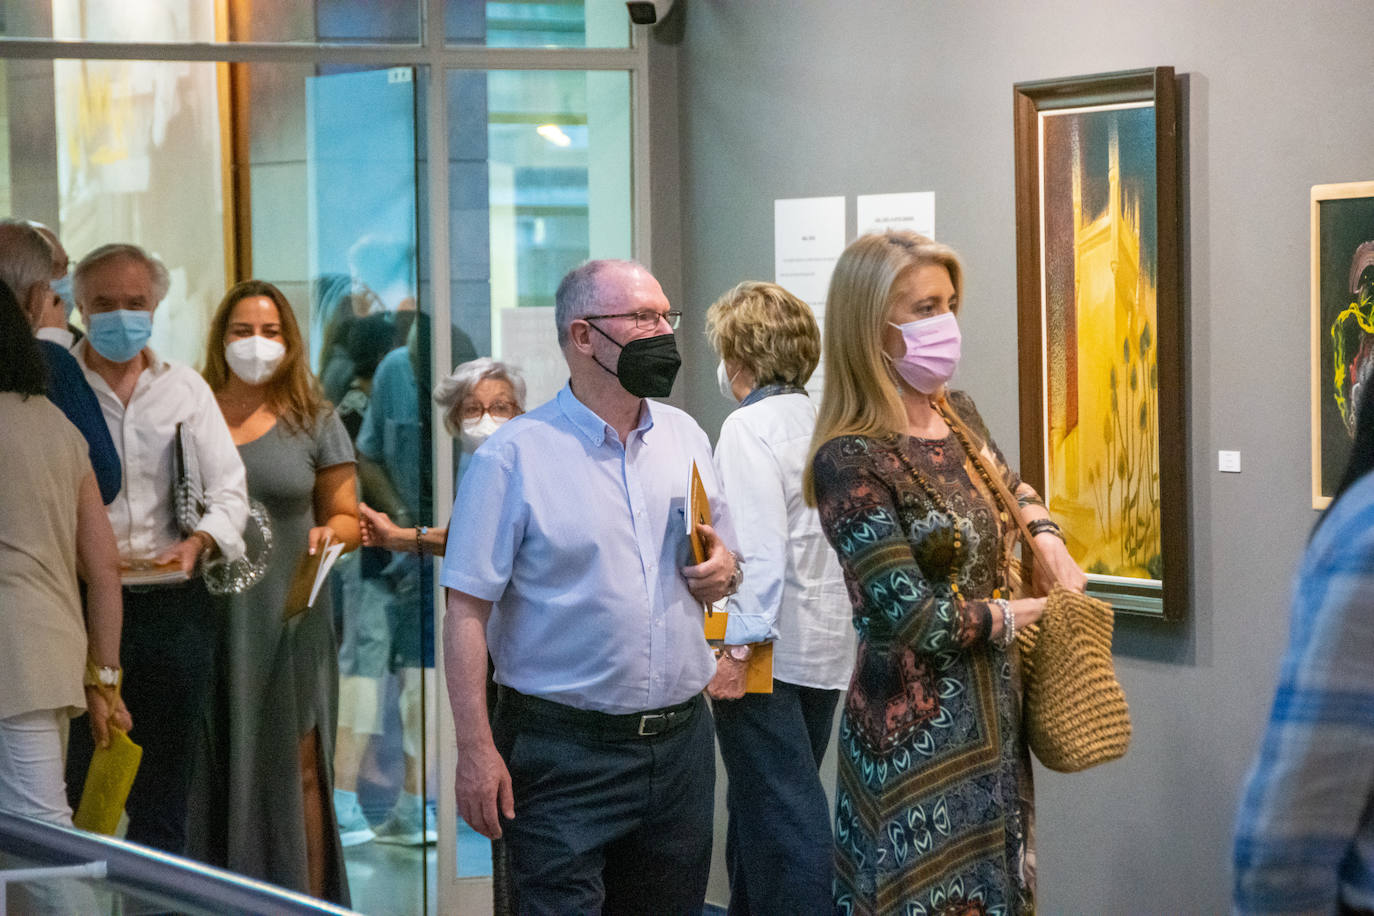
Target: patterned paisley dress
{"x":933,"y":798}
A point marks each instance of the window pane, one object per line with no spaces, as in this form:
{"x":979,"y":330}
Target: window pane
{"x":538,"y":23}
{"x":282,"y":186}
{"x":540,"y":180}
{"x":197,"y":20}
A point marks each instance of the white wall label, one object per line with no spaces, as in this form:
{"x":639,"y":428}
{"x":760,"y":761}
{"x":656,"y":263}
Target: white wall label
{"x":1228,"y":462}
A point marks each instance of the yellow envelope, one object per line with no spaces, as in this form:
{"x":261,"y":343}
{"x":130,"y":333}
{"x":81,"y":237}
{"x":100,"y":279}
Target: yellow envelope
{"x":108,"y":782}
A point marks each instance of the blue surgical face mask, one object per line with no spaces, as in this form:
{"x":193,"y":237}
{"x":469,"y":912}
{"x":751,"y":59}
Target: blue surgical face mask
{"x":120,"y":335}
{"x":63,"y":288}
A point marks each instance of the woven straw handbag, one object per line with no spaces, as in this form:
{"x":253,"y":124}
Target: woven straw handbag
{"x":1074,"y":710}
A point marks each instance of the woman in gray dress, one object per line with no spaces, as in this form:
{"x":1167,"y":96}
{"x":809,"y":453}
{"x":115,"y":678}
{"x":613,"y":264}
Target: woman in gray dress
{"x":273,"y":727}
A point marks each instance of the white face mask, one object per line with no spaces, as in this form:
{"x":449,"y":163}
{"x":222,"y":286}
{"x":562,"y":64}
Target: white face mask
{"x":475,"y":432}
{"x":726,"y":382}
{"x":254,"y":359}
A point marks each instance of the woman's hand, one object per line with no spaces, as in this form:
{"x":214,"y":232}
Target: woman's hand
{"x":1062,"y":567}
{"x":1026,"y":611}
{"x":106,"y":708}
{"x":319,"y":537}
{"x":378,"y":530}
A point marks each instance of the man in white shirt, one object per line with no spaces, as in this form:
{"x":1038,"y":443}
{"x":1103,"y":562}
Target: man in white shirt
{"x":168,"y":644}
{"x":568,"y":561}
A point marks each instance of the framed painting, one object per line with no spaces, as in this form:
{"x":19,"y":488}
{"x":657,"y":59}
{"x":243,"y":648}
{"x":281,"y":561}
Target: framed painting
{"x":1342,"y":324}
{"x":1101,"y":328}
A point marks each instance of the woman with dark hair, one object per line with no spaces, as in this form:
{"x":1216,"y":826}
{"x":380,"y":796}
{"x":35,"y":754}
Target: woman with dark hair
{"x":53,"y":528}
{"x":1305,"y":831}
{"x":279,"y":672}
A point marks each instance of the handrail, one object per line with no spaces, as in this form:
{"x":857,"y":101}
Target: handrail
{"x":169,"y":880}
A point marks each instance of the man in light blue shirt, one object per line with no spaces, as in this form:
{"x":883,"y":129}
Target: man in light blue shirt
{"x":569,"y":561}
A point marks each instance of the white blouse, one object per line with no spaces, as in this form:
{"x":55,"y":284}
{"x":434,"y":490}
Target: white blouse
{"x":793,"y":591}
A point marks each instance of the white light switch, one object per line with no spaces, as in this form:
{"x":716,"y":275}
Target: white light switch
{"x":1228,"y":462}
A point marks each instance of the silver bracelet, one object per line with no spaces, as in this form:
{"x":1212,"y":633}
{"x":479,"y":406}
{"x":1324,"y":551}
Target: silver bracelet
{"x":1008,"y":622}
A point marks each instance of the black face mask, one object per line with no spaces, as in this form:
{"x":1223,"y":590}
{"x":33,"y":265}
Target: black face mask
{"x":647,"y":366}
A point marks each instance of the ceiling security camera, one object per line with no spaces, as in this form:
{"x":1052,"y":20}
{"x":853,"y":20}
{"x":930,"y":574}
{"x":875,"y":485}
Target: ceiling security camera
{"x":648,"y":12}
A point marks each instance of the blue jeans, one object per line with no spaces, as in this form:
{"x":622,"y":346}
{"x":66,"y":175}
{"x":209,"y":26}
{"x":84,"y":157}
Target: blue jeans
{"x":608,"y":824}
{"x":778,"y":846}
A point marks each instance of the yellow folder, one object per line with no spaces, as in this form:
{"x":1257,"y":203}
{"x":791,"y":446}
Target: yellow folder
{"x":759,"y":675}
{"x":108,"y":782}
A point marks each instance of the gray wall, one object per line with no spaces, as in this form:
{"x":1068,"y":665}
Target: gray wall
{"x":792,"y":99}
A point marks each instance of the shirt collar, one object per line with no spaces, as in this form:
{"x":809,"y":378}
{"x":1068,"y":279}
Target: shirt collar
{"x":592,"y":426}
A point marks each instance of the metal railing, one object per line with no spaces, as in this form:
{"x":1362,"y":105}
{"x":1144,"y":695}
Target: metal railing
{"x":47,"y":853}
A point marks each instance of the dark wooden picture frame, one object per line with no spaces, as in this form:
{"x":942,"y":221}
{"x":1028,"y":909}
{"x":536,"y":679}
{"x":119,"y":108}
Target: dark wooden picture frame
{"x":1101,"y":328}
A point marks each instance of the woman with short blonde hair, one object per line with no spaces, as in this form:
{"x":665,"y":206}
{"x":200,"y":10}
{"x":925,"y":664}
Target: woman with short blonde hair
{"x":933,"y":803}
{"x":792,"y":598}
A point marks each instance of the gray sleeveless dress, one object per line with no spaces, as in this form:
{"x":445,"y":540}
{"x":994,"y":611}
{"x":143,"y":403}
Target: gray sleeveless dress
{"x":276,"y":680}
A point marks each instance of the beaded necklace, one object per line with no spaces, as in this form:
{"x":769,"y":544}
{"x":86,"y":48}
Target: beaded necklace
{"x":938,"y":500}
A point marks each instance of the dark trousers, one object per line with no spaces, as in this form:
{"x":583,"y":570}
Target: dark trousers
{"x":167,"y":650}
{"x":778,"y":846}
{"x":608,"y":823}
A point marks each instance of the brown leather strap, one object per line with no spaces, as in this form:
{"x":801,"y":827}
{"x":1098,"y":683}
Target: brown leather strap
{"x":998,"y":484}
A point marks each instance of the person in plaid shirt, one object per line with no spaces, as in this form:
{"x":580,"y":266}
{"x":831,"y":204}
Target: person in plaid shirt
{"x":1305,"y":830}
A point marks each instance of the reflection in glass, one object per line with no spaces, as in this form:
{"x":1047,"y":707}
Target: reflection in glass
{"x":340,"y":21}
{"x":534,"y":24}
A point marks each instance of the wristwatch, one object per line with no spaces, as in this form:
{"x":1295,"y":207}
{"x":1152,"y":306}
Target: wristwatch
{"x":102,"y":675}
{"x":738,"y":653}
{"x":736,"y":577}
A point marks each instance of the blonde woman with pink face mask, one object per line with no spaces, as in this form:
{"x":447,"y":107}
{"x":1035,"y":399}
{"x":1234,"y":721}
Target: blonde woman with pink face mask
{"x":933,"y":802}
{"x":477,"y":398}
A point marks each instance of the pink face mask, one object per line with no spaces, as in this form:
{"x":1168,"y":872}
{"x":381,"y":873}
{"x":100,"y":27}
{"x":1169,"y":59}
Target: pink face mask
{"x":932,"y":352}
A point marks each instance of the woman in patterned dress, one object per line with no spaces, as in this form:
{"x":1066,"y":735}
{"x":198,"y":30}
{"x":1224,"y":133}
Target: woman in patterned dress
{"x":934,"y":809}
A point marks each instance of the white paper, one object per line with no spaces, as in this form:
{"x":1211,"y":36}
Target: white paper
{"x":327,"y":561}
{"x":808,"y":236}
{"x":914,"y":210}
{"x":529,"y":342}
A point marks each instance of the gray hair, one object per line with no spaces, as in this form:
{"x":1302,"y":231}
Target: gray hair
{"x":157,"y":271}
{"x":25,"y":260}
{"x":581,"y":293}
{"x":458,"y":384}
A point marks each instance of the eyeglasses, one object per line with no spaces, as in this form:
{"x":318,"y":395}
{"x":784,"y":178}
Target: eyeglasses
{"x":501,"y":410}
{"x":645,"y":320}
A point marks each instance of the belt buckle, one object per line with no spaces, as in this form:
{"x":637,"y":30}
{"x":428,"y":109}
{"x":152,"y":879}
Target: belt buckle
{"x":658,"y":719}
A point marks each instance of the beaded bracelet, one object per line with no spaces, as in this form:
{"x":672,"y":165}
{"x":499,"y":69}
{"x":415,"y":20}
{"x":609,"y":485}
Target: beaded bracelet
{"x":1043,"y":525}
{"x":1008,"y":622}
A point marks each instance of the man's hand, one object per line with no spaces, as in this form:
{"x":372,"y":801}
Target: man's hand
{"x":185,"y":553}
{"x":709,"y":580}
{"x":728,"y":682}
{"x":483,"y":786}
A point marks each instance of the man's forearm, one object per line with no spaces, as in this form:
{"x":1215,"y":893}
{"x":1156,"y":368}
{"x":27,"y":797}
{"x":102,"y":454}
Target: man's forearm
{"x":465,"y":668}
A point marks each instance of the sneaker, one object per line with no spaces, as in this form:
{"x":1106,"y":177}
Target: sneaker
{"x":354,"y":830}
{"x":403,"y":828}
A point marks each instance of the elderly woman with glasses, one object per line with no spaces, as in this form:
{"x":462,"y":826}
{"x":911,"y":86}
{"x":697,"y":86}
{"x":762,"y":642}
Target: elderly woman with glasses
{"x":477,"y":398}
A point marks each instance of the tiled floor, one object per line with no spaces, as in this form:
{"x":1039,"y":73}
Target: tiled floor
{"x":386,"y":880}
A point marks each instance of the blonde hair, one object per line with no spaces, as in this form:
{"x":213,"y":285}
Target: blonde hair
{"x":293,"y":394}
{"x":860,"y":397}
{"x":767,"y":330}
